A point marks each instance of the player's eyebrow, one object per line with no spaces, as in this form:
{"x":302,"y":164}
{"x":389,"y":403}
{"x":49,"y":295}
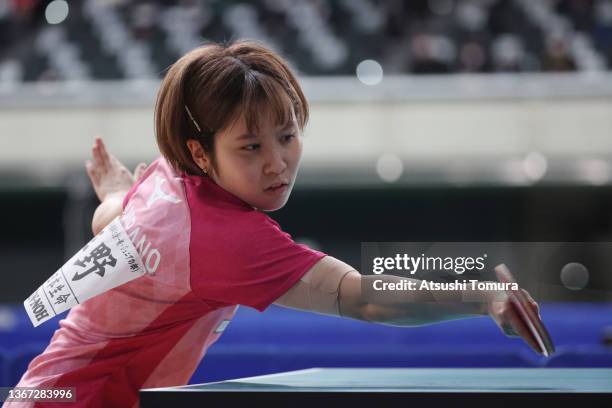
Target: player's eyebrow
{"x":247,"y":136}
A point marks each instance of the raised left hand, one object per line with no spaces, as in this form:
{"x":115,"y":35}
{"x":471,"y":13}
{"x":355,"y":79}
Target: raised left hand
{"x":109,"y":177}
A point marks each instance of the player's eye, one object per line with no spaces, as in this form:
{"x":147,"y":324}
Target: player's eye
{"x":252,"y":147}
{"x":287,"y":138}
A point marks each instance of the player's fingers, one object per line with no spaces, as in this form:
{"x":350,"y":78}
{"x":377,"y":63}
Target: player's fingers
{"x":528,"y":295}
{"x":139,"y":171}
{"x":93,"y":176}
{"x":103,"y":152}
{"x":521,"y":329}
{"x":533,"y":303}
{"x":90,"y":169}
{"x":97,"y":156}
{"x":509,"y":330}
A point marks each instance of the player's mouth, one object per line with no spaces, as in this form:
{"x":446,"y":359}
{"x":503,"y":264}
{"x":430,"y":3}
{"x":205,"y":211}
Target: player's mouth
{"x":277,"y":188}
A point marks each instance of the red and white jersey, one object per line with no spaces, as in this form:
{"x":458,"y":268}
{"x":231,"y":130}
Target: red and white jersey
{"x":205,"y":252}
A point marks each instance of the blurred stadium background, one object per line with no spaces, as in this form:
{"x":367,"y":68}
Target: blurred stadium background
{"x":439,"y":120}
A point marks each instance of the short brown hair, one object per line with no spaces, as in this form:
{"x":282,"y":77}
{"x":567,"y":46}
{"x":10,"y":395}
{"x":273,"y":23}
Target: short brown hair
{"x":217,"y":83}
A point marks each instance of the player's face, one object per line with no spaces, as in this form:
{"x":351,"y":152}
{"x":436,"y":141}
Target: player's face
{"x":258,"y":168}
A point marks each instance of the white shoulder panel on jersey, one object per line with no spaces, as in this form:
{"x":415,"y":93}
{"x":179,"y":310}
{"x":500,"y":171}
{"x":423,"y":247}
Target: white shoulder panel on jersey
{"x":107,"y":261}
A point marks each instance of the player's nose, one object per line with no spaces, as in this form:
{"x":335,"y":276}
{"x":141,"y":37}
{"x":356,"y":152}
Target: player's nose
{"x":276,"y":161}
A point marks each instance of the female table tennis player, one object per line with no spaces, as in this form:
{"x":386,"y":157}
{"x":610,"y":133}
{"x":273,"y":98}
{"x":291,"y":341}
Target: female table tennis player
{"x":228,"y":124}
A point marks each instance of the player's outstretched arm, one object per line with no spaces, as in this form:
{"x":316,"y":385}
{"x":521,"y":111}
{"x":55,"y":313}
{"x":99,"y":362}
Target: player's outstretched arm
{"x":111,"y":181}
{"x":335,"y":288}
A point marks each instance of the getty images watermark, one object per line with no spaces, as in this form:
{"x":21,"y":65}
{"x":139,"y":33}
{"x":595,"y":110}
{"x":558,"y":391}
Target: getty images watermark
{"x":406,"y":263}
{"x":543,"y":268}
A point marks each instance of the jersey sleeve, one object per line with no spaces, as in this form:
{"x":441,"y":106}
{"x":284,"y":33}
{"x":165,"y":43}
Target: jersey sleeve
{"x":252,"y":263}
{"x":130,"y":193}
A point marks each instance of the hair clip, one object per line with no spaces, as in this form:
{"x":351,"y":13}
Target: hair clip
{"x":193,"y":119}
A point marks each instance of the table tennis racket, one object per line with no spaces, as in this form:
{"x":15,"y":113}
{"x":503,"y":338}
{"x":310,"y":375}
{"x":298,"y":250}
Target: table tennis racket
{"x":523,"y":306}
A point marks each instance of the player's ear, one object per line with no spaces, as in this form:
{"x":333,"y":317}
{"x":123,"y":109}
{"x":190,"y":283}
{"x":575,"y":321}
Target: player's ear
{"x":198,"y":154}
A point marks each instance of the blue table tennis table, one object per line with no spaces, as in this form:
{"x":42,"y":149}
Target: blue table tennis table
{"x":452,"y":387}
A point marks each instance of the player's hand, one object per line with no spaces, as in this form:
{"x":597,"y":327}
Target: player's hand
{"x":109,"y":177}
{"x":508,"y":319}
